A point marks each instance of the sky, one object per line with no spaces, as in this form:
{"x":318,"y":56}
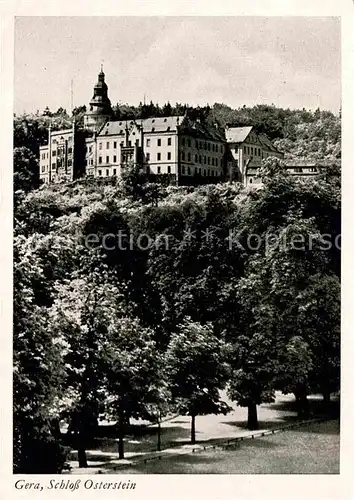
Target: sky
{"x":289,"y":61}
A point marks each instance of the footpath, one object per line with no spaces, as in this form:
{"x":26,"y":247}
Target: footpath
{"x":213,"y":431}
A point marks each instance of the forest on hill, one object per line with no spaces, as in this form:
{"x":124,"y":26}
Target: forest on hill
{"x":133,"y":300}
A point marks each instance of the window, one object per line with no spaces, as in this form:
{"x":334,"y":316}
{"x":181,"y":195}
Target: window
{"x":213,"y":148}
{"x":183,"y":170}
{"x":115,"y":145}
{"x":107,"y":172}
{"x":182,"y":155}
{"x":107,"y":159}
{"x":196,"y":158}
{"x":212,"y":161}
{"x":189,"y":170}
{"x":70,"y":150}
{"x":158,"y":156}
{"x":196,"y":144}
{"x":216,"y":162}
{"x":168,"y":155}
{"x":204,"y":172}
{"x":147,"y":143}
{"x":114,"y":171}
{"x":208,"y":172}
{"x":121,"y":144}
{"x":100,"y":159}
{"x":100,"y":172}
{"x":169,"y":169}
{"x":54,"y":153}
{"x":209,"y":146}
{"x":189,"y":143}
{"x":169,"y":141}
{"x":107,"y":145}
{"x":159,"y":142}
{"x":205,"y":160}
{"x":251,"y":180}
{"x":114,"y":159}
{"x":189,"y":157}
{"x":100,"y":145}
{"x":216,"y":148}
{"x":147,"y":156}
{"x":208,"y":160}
{"x":43,"y":168}
{"x":130,"y":144}
{"x":183,"y":141}
{"x":53,"y":165}
{"x":70,"y":163}
{"x":159,"y":170}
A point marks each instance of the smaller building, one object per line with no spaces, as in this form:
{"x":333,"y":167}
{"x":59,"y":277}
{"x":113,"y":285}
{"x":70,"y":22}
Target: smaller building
{"x":299,"y":168}
{"x":247,"y":149}
{"x":62,"y":158}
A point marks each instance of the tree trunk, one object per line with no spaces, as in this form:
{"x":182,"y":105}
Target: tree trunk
{"x":193,"y":430}
{"x":121,"y":436}
{"x":120,"y":447}
{"x":326,"y":398}
{"x":81,"y":453}
{"x":252,"y":422}
{"x":302,"y":404}
{"x":159,"y":434}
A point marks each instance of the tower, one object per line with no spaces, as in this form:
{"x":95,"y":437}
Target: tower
{"x":100,"y":109}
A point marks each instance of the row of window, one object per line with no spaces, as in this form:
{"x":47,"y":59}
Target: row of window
{"x":159,"y":142}
{"x":54,"y":152}
{"x":201,"y":159}
{"x":69,"y":139}
{"x":56,"y":165}
{"x":252,"y":151}
{"x":206,"y":146}
{"x":158,"y":156}
{"x":201,"y":171}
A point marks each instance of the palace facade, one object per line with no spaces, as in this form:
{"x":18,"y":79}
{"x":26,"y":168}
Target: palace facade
{"x":188,"y":152}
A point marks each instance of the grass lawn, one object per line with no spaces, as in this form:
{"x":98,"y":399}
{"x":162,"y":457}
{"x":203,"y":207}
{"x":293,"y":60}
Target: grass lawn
{"x":312,"y":449}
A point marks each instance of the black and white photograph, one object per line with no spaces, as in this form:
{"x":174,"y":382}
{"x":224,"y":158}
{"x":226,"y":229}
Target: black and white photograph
{"x":176,"y":248}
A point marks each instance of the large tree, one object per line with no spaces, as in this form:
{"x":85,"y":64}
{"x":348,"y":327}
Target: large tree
{"x":196,"y":365}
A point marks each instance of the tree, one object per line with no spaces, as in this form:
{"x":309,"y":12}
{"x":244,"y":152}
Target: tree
{"x":132,"y":373}
{"x":83,"y":313}
{"x":26,"y":170}
{"x":319,"y":320}
{"x":38,"y":367}
{"x":197,"y":370}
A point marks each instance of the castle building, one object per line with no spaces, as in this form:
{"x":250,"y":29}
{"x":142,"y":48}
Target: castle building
{"x":247,"y":149}
{"x":186,"y":151}
{"x":100,"y":109}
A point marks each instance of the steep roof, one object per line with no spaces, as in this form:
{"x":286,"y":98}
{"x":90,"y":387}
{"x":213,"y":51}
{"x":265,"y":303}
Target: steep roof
{"x":237,"y":134}
{"x":159,"y":124}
